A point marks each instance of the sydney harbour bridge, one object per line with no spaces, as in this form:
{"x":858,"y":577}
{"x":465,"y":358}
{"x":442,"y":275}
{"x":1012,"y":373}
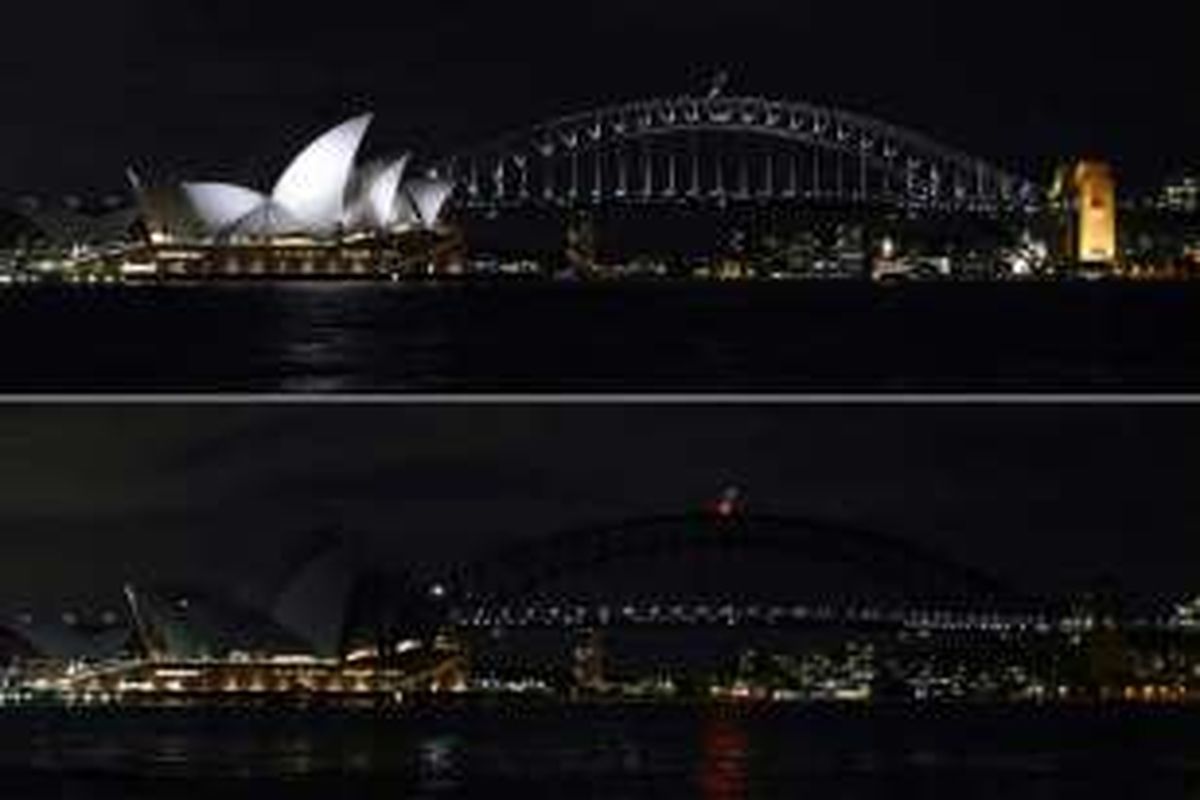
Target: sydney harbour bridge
{"x":706,"y":568}
{"x":716,"y":150}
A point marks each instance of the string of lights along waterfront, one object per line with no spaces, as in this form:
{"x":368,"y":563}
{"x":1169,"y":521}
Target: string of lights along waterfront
{"x":711,"y":186}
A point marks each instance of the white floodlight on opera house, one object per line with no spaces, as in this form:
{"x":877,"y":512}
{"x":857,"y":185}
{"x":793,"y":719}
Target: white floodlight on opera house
{"x":322,"y":201}
{"x":312,"y":190}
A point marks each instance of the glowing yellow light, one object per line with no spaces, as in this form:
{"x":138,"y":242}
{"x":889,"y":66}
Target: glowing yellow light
{"x":1097,"y":212}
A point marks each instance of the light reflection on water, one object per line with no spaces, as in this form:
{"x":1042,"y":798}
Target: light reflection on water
{"x":723,"y":762}
{"x":439,"y":767}
{"x":603,"y":337}
{"x":654,"y":753}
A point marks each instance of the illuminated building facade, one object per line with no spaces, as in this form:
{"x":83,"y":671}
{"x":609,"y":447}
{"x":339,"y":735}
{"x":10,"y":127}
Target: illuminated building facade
{"x":1181,"y":195}
{"x":1086,"y":195}
{"x":326,"y":215}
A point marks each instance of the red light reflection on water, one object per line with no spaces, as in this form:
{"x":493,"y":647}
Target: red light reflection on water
{"x":724,"y":752}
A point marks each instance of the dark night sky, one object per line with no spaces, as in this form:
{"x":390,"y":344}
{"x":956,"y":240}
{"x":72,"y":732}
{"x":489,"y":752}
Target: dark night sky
{"x":1048,"y":498}
{"x":229,"y":88}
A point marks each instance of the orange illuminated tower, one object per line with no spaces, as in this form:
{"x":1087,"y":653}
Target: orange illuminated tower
{"x":1087,"y":193}
{"x":589,"y":662}
{"x":1097,"y":198}
{"x":581,"y":244}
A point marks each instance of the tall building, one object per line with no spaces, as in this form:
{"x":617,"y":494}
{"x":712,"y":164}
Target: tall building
{"x":581,"y":243}
{"x":589,"y":662}
{"x":1086,"y":193}
{"x":1097,"y":209}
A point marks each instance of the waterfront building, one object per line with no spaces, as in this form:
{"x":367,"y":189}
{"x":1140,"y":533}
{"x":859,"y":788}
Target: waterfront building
{"x":331,"y":630}
{"x":1085,"y":194}
{"x":1180,"y":194}
{"x":588,"y":668}
{"x":325,"y":215}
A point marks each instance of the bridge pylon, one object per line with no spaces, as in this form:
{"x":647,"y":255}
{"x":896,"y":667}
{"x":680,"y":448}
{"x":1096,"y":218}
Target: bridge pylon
{"x":581,"y":244}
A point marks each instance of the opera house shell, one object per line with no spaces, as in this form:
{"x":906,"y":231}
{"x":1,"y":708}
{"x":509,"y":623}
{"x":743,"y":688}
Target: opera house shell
{"x":323,"y":199}
{"x":332,"y":629}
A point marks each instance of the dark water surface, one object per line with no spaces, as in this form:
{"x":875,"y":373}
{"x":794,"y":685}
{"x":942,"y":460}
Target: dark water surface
{"x":620,"y":337}
{"x":646,"y":752}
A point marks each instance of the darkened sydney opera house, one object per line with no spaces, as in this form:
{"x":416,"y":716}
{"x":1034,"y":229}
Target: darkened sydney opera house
{"x":328,"y":628}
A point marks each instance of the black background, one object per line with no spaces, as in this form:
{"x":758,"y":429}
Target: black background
{"x":231,"y":89}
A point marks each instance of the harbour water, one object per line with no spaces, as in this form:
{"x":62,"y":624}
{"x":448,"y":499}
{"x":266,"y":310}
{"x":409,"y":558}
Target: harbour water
{"x":664,"y":752}
{"x":603,"y":337}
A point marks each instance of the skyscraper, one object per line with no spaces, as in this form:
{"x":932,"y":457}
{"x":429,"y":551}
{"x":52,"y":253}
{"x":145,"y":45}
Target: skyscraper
{"x":1085,"y":194}
{"x":1097,"y":209}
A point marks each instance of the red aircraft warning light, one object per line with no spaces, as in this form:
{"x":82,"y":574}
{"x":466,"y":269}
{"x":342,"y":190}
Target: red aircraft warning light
{"x":729,"y":503}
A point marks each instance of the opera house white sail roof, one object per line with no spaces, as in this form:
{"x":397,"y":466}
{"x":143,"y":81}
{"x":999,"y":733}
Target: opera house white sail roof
{"x":322,"y":193}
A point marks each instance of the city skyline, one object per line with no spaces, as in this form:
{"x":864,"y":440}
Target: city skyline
{"x":604,"y":398}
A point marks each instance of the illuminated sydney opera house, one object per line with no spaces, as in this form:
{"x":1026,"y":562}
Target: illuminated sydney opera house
{"x":326,"y":214}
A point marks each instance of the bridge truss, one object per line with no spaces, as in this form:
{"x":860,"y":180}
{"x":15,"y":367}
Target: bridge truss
{"x":882,"y":566}
{"x":720,"y":150}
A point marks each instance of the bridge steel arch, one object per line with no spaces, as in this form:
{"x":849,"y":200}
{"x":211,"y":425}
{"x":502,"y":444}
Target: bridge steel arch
{"x":520,"y":571}
{"x":662,"y":150}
